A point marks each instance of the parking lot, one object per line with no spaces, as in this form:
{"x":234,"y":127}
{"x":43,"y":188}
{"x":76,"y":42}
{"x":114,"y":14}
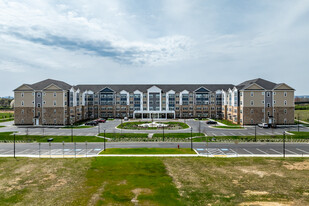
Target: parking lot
{"x":110,"y":127}
{"x":59,"y":150}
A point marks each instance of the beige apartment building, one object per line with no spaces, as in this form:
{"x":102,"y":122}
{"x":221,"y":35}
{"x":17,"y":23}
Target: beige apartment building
{"x":52,"y":102}
{"x":259,"y":101}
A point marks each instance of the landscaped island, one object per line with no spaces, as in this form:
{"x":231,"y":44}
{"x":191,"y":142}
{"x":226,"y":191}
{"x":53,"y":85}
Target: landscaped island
{"x":153,"y":125}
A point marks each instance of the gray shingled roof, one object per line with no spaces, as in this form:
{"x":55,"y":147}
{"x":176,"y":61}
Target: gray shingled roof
{"x":43,"y":84}
{"x":143,"y":87}
{"x":261,"y":82}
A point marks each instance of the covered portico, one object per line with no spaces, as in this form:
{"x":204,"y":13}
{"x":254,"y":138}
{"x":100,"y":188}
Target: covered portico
{"x":154,"y":115}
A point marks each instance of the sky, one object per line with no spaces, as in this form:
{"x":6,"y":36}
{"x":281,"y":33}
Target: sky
{"x":154,"y":41}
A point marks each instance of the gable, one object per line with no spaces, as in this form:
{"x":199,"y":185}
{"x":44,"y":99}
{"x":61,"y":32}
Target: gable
{"x":107,"y":90}
{"x":52,"y":87}
{"x":154,"y":89}
{"x":202,"y":89}
{"x":283,"y":87}
{"x":254,"y":87}
{"x":23,"y":87}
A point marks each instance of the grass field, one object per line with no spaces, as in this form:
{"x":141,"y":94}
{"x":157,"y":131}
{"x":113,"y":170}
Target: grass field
{"x":6,"y":115}
{"x":171,"y":126}
{"x":148,"y":151}
{"x":124,"y":135}
{"x":6,"y":120}
{"x":303,"y":115}
{"x":154,"y":181}
{"x":178,"y":135}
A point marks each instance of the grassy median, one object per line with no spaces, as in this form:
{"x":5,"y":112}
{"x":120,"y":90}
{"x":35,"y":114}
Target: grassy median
{"x":154,"y":181}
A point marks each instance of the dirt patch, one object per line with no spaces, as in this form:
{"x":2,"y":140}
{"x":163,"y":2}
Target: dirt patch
{"x":124,"y":182}
{"x":25,"y":168}
{"x":252,"y":192}
{"x":59,"y":183}
{"x":96,"y":196}
{"x":254,"y":170}
{"x":297,"y":165}
{"x":258,"y":203}
{"x":137,"y":192}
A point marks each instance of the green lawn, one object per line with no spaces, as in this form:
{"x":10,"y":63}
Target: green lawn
{"x":302,"y":114}
{"x":265,"y":138}
{"x":6,"y":120}
{"x":6,"y":115}
{"x":178,"y":135}
{"x":134,"y":126}
{"x":229,"y":127}
{"x":226,"y":122}
{"x":124,"y":135}
{"x":148,"y":151}
{"x":154,"y":181}
{"x":38,"y":138}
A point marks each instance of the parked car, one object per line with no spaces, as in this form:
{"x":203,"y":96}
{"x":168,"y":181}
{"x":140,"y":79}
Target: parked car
{"x":101,"y":120}
{"x":211,"y":122}
{"x":263,"y":125}
{"x":125,"y":119}
{"x":92,"y":123}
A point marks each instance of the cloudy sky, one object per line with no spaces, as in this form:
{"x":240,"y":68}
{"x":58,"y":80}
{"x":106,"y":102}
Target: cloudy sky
{"x":154,"y":41}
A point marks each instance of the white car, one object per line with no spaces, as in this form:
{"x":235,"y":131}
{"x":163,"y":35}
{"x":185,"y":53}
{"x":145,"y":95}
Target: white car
{"x":263,"y":125}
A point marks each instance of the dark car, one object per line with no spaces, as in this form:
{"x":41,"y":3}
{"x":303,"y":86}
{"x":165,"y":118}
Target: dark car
{"x":92,"y":123}
{"x":211,"y":122}
{"x":50,"y":139}
{"x":101,"y":120}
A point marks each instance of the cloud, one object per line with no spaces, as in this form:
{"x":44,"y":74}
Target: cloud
{"x":151,"y":41}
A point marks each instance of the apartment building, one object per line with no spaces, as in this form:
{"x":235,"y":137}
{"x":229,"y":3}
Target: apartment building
{"x":258,"y":100}
{"x":52,"y":102}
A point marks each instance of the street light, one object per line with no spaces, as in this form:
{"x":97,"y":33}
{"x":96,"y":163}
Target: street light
{"x":298,"y":123}
{"x":191,"y":140}
{"x":104,"y":141}
{"x":99,"y":128}
{"x":14,"y":146}
{"x":255,"y":133}
{"x":163,"y":132}
{"x":71,"y":132}
{"x":284,"y":144}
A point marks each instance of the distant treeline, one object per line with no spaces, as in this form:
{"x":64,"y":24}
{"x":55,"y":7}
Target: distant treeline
{"x":5,"y":102}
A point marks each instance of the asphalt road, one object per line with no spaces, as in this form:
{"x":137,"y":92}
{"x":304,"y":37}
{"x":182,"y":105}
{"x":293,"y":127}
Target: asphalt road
{"x":110,"y":127}
{"x":210,"y":149}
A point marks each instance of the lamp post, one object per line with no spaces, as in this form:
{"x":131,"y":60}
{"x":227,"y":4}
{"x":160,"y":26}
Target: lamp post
{"x":99,"y":128}
{"x":104,"y":141}
{"x":191,"y":140}
{"x":14,"y":146}
{"x":163,"y":132}
{"x":255,"y":133}
{"x":284,"y":144}
{"x":71,"y":132}
{"x":298,"y":122}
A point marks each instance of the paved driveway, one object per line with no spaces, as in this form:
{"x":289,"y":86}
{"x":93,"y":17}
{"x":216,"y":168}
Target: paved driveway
{"x":110,"y":127}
